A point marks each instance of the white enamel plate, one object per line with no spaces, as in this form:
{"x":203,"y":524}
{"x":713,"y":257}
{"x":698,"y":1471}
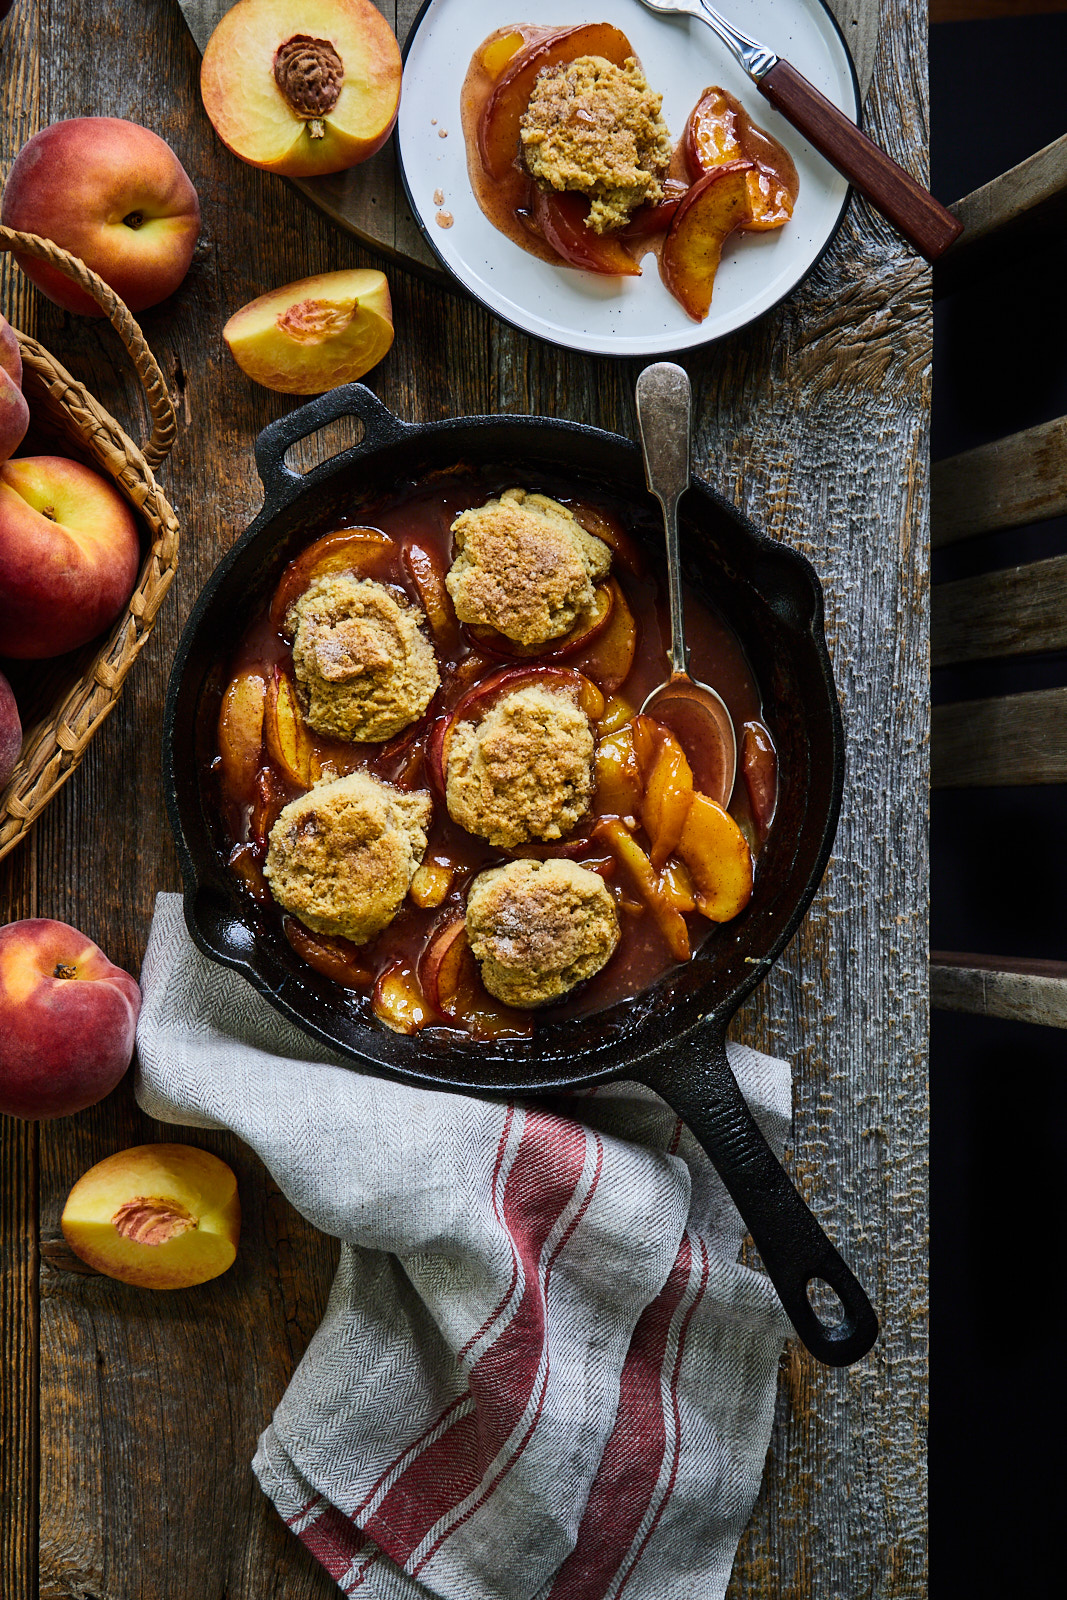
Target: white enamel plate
{"x":681,"y":58}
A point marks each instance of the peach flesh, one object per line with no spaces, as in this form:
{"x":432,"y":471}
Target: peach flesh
{"x":158,"y":1216}
{"x":67,"y":1020}
{"x":315,"y":334}
{"x":302,"y":87}
{"x":112,"y":193}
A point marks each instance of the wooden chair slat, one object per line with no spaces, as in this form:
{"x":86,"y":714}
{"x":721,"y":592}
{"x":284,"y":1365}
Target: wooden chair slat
{"x":1019,"y":738}
{"x":999,"y":986}
{"x":1014,"y":612}
{"x":1006,"y":484}
{"x":1025,"y":205}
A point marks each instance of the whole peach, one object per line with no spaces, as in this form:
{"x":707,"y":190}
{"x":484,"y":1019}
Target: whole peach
{"x":10,"y":731}
{"x":112,"y":193}
{"x":67,"y":1020}
{"x":14,"y":415}
{"x":69,"y":555}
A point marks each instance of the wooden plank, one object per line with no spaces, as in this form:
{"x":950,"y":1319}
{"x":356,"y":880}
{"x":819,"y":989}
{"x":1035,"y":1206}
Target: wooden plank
{"x":1016,"y":611}
{"x":369,"y":202}
{"x":996,"y":986}
{"x":1023,"y":208}
{"x":1019,"y":738}
{"x":1007,"y":484}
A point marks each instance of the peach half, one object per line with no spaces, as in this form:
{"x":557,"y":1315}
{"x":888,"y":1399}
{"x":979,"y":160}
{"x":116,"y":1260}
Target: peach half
{"x":302,"y":87}
{"x":312,"y":335}
{"x":159,"y":1216}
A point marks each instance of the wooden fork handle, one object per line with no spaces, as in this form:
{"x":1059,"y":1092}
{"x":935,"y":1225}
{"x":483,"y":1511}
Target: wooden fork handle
{"x":911,"y":209}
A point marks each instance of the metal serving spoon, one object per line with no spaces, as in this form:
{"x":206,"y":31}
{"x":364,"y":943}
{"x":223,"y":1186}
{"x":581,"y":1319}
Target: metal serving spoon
{"x":694,"y":711}
{"x":913,"y":211}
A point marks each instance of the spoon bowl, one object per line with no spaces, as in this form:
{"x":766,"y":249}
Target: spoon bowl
{"x":695,"y":712}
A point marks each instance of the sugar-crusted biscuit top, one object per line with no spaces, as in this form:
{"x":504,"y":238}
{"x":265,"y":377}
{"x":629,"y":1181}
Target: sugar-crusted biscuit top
{"x":525,"y":771}
{"x":363,"y":665}
{"x":342,"y":856}
{"x":594,"y":128}
{"x":525,"y":566}
{"x":538,"y":928}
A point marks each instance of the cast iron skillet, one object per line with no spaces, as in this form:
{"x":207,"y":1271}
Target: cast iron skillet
{"x":672,"y":1037}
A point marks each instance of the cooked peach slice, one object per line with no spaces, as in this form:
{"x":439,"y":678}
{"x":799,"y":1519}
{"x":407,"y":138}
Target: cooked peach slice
{"x":719,"y":859}
{"x":241,"y":730}
{"x":302,"y":87}
{"x":397,"y":999}
{"x":618,"y":780}
{"x":498,"y":129}
{"x":452,"y":984}
{"x":719,"y":130}
{"x":759,"y":768}
{"x":712,"y":209}
{"x":358,"y":550}
{"x":649,"y":885}
{"x":335,"y":958}
{"x":561,"y":219}
{"x":427,"y":570}
{"x":160,"y":1216}
{"x":611,"y":655}
{"x":668,"y":796}
{"x":285,"y":733}
{"x":431,"y":883}
{"x":312,"y":335}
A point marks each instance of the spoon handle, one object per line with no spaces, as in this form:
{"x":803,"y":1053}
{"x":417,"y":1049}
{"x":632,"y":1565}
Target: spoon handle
{"x":914,"y":212}
{"x":664,"y":406}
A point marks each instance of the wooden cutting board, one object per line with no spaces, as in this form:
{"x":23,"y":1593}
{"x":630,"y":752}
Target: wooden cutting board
{"x":369,"y":201}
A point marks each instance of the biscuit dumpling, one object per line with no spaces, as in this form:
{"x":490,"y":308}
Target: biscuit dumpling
{"x":342,"y":856}
{"x":363,"y":665}
{"x":538,"y":928}
{"x":594,"y":128}
{"x":525,"y":771}
{"x":525,"y":566}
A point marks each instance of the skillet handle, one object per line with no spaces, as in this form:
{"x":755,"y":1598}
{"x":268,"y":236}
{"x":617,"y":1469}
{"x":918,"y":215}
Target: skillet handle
{"x":698,"y":1083}
{"x":380,"y":427}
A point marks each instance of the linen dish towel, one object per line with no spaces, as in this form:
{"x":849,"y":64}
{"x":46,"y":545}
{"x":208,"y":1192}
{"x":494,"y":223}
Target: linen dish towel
{"x":542,"y":1371}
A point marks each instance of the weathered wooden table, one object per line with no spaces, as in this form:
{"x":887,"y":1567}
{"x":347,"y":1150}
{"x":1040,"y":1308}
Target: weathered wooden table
{"x":129,"y":1419}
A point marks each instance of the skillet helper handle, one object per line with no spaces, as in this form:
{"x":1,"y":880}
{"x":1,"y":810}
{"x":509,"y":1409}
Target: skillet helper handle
{"x":698,"y":1083}
{"x":380,"y":427}
{"x":911,"y":209}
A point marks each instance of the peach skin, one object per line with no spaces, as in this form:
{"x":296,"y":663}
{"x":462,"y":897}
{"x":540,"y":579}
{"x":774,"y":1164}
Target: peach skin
{"x":67,"y":1020}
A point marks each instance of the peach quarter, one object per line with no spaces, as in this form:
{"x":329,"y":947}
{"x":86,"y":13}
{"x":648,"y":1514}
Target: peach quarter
{"x":67,"y":1020}
{"x":158,"y":1216}
{"x":312,"y":335}
{"x":302,"y":87}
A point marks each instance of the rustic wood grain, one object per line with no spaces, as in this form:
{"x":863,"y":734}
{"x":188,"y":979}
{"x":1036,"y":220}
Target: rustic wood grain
{"x":996,"y":986}
{"x":1006,"y":484}
{"x":1016,"y":738}
{"x":815,"y":421}
{"x":1016,"y":611}
{"x":369,"y":202}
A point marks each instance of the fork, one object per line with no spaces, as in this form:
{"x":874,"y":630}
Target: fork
{"x":912,"y":210}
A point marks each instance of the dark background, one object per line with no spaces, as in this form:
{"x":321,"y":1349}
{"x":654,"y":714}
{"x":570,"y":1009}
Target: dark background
{"x":999,"y":884}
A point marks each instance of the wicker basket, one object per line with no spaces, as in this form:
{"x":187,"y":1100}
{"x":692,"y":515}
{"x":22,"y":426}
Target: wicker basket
{"x":64,"y":700}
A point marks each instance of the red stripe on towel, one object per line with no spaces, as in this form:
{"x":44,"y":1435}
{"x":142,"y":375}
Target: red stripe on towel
{"x":541,"y":1184}
{"x":632,"y":1464}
